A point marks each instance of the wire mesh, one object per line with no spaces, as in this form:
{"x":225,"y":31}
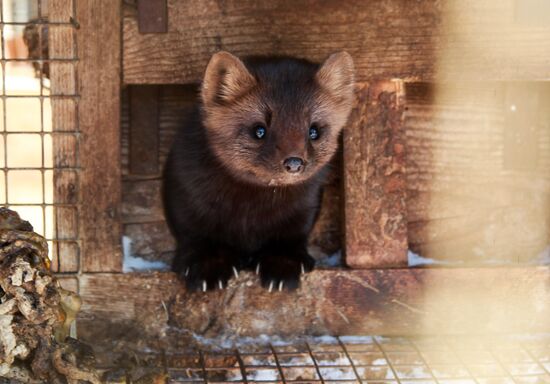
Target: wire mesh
{"x":367,"y":359}
{"x":39,"y":123}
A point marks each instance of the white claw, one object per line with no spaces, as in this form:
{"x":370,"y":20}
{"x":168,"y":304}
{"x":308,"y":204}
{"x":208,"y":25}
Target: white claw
{"x":258,"y":269}
{"x":303,"y":269}
{"x":270,"y":286}
{"x":204,"y":285}
{"x":187,"y":272}
{"x":220,"y":284}
{"x":236,"y":273}
{"x":281,"y":286}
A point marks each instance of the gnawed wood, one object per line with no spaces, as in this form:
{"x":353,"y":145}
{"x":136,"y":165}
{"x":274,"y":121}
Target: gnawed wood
{"x":99,"y":117}
{"x":36,"y":313}
{"x":155,"y":309}
{"x":374,"y":178}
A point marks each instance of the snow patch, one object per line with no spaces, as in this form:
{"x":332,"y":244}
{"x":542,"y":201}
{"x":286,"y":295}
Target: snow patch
{"x":416,"y":260}
{"x":334,"y":260}
{"x":133,"y":263}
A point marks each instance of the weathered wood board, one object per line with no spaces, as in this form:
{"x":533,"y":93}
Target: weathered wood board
{"x":375,"y":178}
{"x":478,"y":177}
{"x":478,"y":40}
{"x":155,"y":308}
{"x":99,"y":120}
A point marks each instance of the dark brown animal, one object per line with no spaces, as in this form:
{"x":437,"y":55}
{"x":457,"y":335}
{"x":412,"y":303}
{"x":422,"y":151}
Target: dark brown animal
{"x":243,"y":181}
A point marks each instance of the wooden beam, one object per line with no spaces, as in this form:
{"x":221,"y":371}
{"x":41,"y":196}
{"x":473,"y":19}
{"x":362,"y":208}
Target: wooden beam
{"x":375,"y":179}
{"x":144,"y":129}
{"x":99,"y":113}
{"x":391,"y":302}
{"x":427,"y":40}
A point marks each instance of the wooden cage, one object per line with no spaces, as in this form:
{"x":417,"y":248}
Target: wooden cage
{"x":446,"y":153}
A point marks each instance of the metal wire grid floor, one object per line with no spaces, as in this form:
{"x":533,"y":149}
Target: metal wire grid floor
{"x":368,"y":359}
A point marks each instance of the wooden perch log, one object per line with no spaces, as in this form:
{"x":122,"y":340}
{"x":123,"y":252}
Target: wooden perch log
{"x":155,"y":310}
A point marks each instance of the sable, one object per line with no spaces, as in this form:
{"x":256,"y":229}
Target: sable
{"x":243,"y":181}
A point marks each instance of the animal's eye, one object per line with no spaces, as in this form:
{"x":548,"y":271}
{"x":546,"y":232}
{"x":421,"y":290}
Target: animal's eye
{"x":313,"y":132}
{"x":259,"y":131}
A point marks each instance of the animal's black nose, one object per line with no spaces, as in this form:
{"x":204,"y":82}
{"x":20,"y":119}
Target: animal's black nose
{"x":294,"y":164}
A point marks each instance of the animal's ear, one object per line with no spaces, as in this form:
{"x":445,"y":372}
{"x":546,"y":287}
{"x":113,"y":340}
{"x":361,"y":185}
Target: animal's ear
{"x":337,"y":75}
{"x":225,"y":79}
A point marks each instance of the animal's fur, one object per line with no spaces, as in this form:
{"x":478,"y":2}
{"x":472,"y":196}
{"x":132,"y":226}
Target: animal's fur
{"x":228,"y":198}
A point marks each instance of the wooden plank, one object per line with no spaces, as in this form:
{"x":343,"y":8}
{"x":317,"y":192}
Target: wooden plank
{"x":374,"y":178}
{"x":99,"y":113}
{"x":152,"y":16}
{"x":144,"y":132}
{"x":388,"y":302}
{"x":478,"y":179}
{"x":476,"y":40}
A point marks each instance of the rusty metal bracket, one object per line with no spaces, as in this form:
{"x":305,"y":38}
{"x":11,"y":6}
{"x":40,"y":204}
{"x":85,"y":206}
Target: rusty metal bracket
{"x":152,"y":16}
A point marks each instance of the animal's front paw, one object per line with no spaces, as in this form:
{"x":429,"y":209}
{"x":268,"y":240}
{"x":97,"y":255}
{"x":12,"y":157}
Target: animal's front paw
{"x":283,"y":271}
{"x":208,"y":274}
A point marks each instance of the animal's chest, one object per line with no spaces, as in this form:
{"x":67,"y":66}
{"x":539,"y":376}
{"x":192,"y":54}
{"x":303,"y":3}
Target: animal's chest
{"x":249,"y":219}
{"x":249,"y":211}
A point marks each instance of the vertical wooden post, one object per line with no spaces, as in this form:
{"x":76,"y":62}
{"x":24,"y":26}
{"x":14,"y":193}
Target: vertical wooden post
{"x":99,"y":46}
{"x":374,"y":178}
